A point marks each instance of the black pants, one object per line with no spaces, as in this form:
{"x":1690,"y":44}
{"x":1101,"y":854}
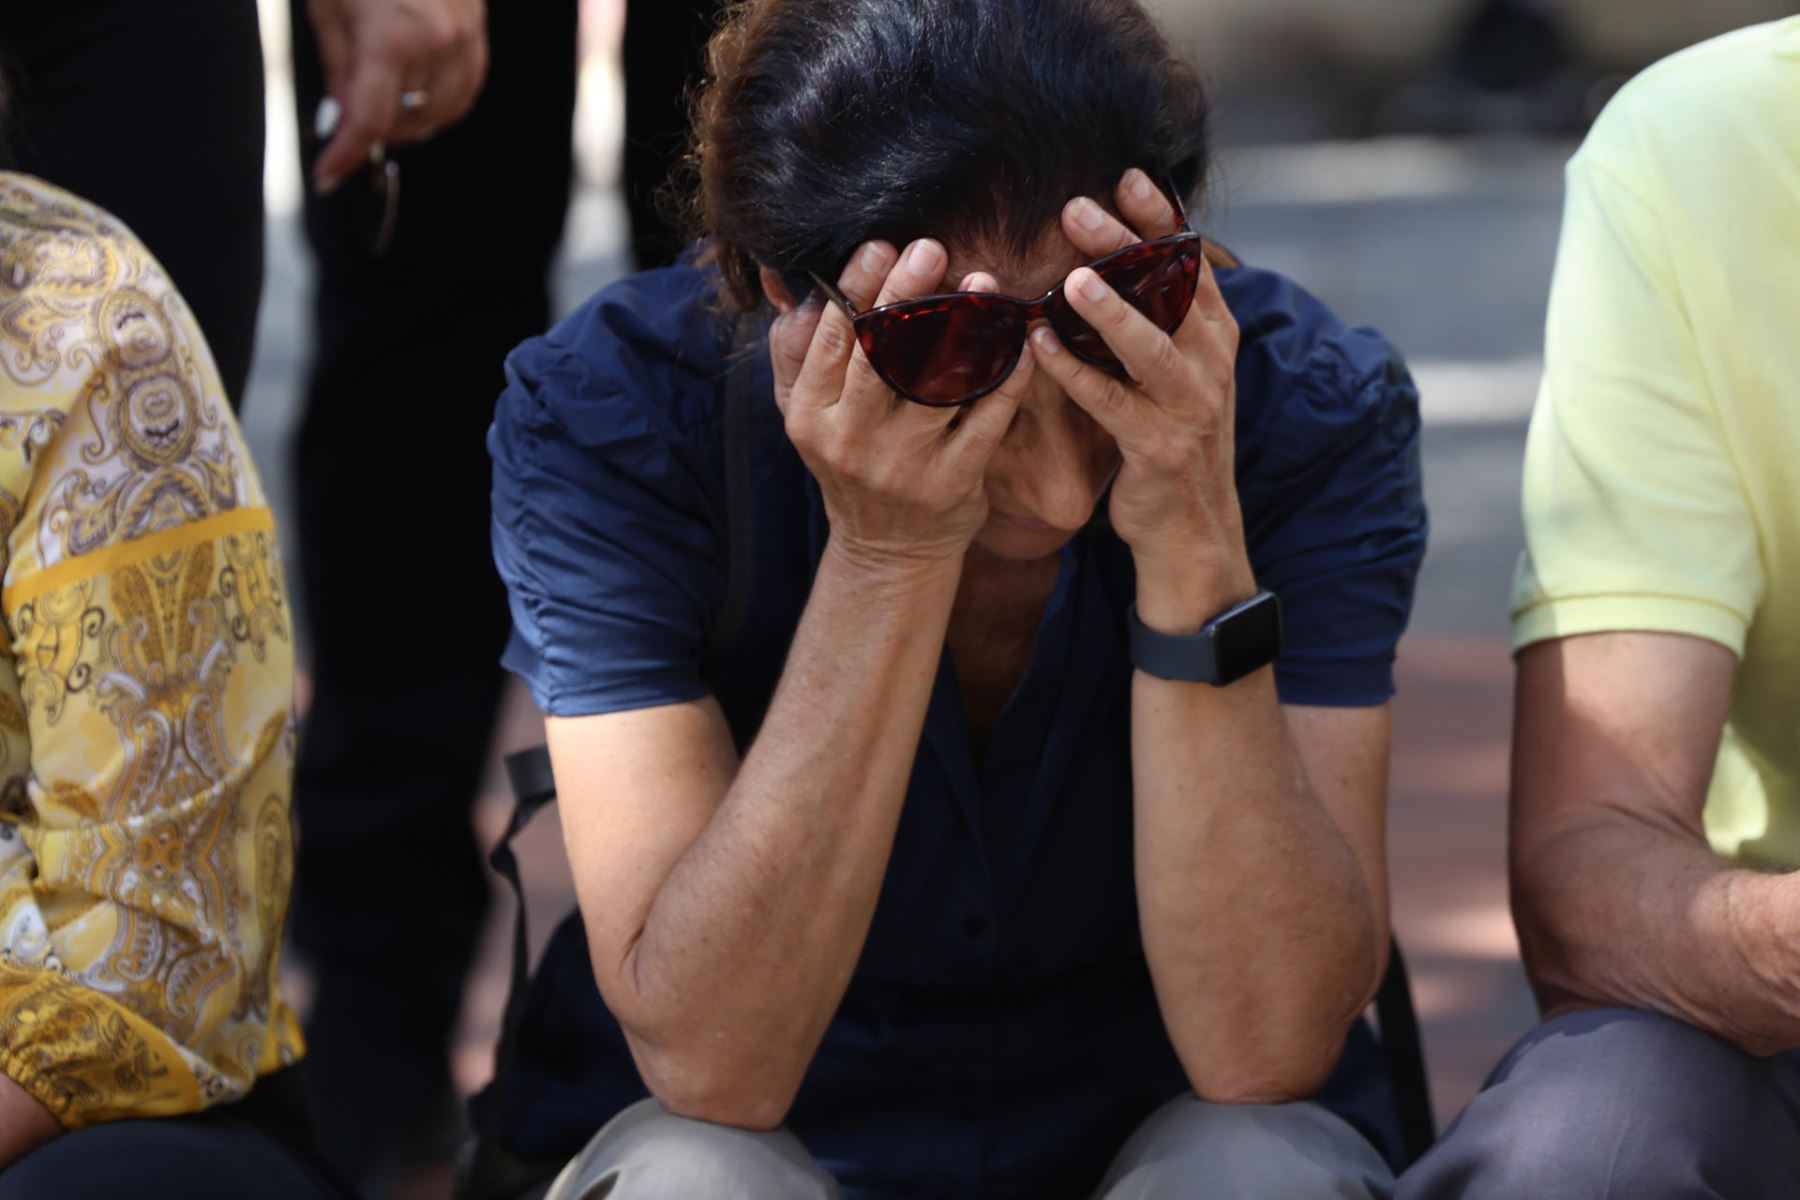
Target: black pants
{"x":406,"y":614}
{"x":153,"y":111}
{"x":254,"y":1148}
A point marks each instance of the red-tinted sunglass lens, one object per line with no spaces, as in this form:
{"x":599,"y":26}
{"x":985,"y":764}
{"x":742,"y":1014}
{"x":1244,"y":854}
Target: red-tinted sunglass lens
{"x":944,"y":352}
{"x":1157,"y":280}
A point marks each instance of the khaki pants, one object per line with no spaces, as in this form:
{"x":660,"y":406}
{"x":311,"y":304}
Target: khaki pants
{"x":1188,"y":1150}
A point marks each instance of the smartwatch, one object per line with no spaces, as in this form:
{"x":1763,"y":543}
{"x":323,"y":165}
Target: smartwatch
{"x":1240,"y":641}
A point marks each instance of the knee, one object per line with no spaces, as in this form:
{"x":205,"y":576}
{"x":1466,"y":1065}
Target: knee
{"x":1297,"y":1151}
{"x":1610,"y":1103}
{"x":649,"y":1153}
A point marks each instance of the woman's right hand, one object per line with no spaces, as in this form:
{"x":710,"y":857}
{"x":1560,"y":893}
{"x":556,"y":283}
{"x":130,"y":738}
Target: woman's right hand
{"x":903,"y":483}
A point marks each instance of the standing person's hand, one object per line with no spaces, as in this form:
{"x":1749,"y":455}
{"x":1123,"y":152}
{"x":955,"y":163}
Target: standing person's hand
{"x":902,"y":483}
{"x":398,"y":70}
{"x":24,"y":1123}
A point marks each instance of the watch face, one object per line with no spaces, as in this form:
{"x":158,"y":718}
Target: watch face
{"x":1248,"y":639}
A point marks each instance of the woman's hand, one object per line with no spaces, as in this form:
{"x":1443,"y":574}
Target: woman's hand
{"x":903,"y":483}
{"x":434,"y":52}
{"x":1174,"y":501}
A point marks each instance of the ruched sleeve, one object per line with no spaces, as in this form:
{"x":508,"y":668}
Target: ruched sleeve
{"x":1329,"y":475}
{"x":606,"y":522}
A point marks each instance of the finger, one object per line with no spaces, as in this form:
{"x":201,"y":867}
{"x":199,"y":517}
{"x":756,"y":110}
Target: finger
{"x":1145,"y":206}
{"x":789,"y":338}
{"x":449,"y":92}
{"x":1121,"y":410}
{"x":334,"y":44}
{"x":821,"y":380}
{"x":982,"y":426}
{"x":370,"y":102}
{"x":466,"y":71}
{"x":919,"y":272}
{"x":1148,"y":354}
{"x":1210,"y":332}
{"x":1209,"y":301}
{"x":1094,"y":231}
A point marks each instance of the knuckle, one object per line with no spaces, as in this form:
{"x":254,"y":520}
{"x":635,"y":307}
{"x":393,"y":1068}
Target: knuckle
{"x":1221,"y":371}
{"x":441,"y":34}
{"x":1230,"y":336}
{"x":832,"y":339}
{"x":1165,"y":358}
{"x":1112,"y":395}
{"x":797,"y":420}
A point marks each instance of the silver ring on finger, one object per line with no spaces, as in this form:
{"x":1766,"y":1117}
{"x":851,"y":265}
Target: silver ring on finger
{"x":413,"y":99}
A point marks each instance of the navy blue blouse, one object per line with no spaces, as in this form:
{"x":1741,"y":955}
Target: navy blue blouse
{"x":1000,"y":1037}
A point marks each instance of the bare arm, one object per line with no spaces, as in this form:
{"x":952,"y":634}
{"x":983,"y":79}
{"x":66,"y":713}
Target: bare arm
{"x":1261,"y":871}
{"x":726,"y":907}
{"x":1259,"y":834}
{"x":1618,"y":898}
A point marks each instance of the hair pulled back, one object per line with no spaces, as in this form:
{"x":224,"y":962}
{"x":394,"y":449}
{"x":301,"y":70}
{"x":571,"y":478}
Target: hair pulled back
{"x":827,"y":123}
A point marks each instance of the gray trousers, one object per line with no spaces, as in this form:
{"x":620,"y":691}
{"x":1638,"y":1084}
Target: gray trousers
{"x":1622,"y":1105}
{"x":1188,"y":1150}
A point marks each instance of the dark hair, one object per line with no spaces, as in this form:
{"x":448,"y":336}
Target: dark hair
{"x":826,"y":123}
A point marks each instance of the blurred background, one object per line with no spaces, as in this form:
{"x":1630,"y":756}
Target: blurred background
{"x":1402,"y":159}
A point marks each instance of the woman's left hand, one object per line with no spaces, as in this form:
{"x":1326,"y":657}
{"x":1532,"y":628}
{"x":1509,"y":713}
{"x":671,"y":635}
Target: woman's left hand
{"x":1174,"y":501}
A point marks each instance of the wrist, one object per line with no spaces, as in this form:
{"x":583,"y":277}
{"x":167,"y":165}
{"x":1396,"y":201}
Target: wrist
{"x":1177,"y":595}
{"x":893,"y":568}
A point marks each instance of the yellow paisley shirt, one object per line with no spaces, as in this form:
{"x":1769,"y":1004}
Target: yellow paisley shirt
{"x":146,"y":707}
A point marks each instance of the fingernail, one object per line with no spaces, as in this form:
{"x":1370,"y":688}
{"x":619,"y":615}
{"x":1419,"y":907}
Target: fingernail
{"x":1088,"y":215}
{"x":324,"y":185}
{"x":1139,"y":184}
{"x":874,"y":259}
{"x":1045,"y":342}
{"x":924,"y":257}
{"x":325,"y":120}
{"x":1091,"y":285}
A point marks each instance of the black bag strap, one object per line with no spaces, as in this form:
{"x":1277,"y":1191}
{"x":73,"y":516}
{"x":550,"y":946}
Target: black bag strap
{"x":738,"y":486}
{"x":534,"y":783}
{"x":1405,"y":1052}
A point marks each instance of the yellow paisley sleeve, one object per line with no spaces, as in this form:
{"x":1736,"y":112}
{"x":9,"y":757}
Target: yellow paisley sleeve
{"x":146,"y":722}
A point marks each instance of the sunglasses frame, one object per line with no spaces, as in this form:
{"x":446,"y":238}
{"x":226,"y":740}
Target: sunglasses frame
{"x":869,"y":325}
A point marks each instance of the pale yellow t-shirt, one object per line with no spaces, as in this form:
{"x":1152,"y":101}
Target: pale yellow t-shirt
{"x":1662,"y":475}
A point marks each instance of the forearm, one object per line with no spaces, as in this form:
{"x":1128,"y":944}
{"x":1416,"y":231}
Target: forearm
{"x":753,"y":936}
{"x":1621,"y":911}
{"x":1263,"y":935}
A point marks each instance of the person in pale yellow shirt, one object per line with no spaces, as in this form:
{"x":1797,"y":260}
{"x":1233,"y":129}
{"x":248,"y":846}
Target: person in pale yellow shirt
{"x":1656,"y":784}
{"x":146,"y":741}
